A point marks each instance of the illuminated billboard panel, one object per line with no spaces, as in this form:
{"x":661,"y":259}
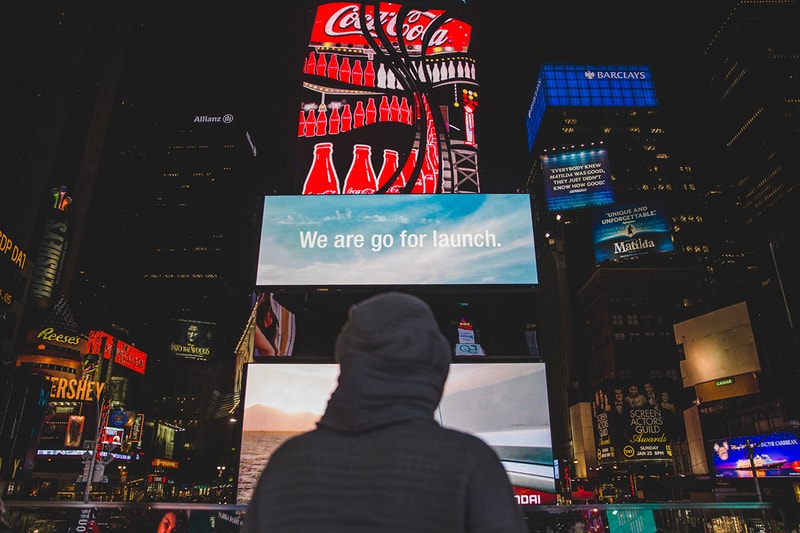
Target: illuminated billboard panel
{"x":577,"y":180}
{"x":774,"y":455}
{"x":635,"y":421}
{"x":193,"y":339}
{"x":505,"y":404}
{"x":717,"y":345}
{"x":409,"y":240}
{"x":582,"y":85}
{"x":274,"y":328}
{"x":387,"y":107}
{"x":128,"y":356}
{"x":628,"y":230}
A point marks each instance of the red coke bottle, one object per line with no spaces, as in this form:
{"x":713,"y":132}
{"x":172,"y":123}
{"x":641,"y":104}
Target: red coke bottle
{"x":311,"y":123}
{"x":383,"y":109}
{"x":333,"y":67}
{"x":311,"y":63}
{"x":430,"y":170}
{"x":408,"y":168}
{"x":321,"y":65}
{"x":301,"y":127}
{"x":371,"y":113}
{"x":344,"y":70}
{"x":322,"y":122}
{"x":357,"y":73}
{"x":394,"y":110}
{"x":322,"y":178}
{"x":358,"y":115}
{"x":369,"y":74}
{"x":361,"y":176}
{"x":390,"y":164}
{"x":333,"y":124}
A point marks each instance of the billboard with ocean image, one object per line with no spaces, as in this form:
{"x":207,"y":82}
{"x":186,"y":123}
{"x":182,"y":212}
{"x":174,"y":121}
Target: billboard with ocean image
{"x":505,"y":404}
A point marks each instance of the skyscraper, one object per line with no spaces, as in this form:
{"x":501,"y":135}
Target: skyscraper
{"x":625,"y":253}
{"x":753,"y":65}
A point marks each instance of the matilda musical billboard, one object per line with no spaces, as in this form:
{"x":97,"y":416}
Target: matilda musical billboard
{"x":622,"y":231}
{"x":389,"y":102}
{"x":576,"y":180}
{"x":444,"y":239}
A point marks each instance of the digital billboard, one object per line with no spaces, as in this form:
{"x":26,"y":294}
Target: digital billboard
{"x":717,"y":345}
{"x":192,"y":339}
{"x":411,"y":240}
{"x":580,"y":85}
{"x":577,"y":180}
{"x":13,"y":261}
{"x":389,"y":102}
{"x":505,"y":404}
{"x":635,"y":421}
{"x":774,"y":455}
{"x":628,"y":230}
{"x":125,"y":355}
{"x":631,"y":521}
{"x":274,"y":328}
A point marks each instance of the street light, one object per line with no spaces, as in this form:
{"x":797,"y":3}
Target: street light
{"x":750,"y":455}
{"x":793,"y":425}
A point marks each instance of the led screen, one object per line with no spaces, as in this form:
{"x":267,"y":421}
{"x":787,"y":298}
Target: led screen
{"x":192,"y":339}
{"x":390,"y":105}
{"x":577,"y":180}
{"x":505,"y":404}
{"x":631,"y":521}
{"x":635,"y":421}
{"x":588,"y":86}
{"x":628,"y":230}
{"x":451,"y":239}
{"x":774,"y":455}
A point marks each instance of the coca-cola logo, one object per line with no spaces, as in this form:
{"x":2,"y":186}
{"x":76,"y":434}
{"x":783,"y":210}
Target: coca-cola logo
{"x":359,"y":191}
{"x":345,"y":21}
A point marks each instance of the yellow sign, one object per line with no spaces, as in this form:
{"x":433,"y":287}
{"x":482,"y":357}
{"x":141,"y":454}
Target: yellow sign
{"x":75,"y":389}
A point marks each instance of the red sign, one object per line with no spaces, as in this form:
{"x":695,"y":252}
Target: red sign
{"x":126,"y":355}
{"x":340,"y":23}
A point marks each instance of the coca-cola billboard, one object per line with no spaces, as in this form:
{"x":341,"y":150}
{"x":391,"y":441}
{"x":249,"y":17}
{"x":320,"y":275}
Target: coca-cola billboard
{"x":389,"y":102}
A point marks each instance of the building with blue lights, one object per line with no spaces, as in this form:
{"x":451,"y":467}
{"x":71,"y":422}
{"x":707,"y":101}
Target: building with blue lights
{"x":624,"y":255}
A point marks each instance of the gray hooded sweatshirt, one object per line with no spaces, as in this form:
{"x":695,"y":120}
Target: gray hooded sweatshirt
{"x":378,"y":461}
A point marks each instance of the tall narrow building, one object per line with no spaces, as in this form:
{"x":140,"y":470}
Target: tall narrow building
{"x":753,"y":65}
{"x":625,"y":255}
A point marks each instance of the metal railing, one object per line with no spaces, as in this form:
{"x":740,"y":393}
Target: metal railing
{"x":677,"y":517}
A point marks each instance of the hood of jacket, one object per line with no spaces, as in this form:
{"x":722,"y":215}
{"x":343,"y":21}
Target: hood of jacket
{"x":393,"y":360}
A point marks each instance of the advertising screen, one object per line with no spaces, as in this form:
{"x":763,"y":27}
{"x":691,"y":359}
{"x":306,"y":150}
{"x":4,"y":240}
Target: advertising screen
{"x":389,"y":102}
{"x":577,"y":180}
{"x":774,"y":455}
{"x":635,"y":421}
{"x":505,"y":404}
{"x":631,"y":521}
{"x":125,"y":355}
{"x":628,"y":230}
{"x":580,"y":85}
{"x":274,"y":329}
{"x":450,"y":239}
{"x":192,"y":339}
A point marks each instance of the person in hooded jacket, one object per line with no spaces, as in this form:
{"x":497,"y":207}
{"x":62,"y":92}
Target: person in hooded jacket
{"x":377,"y":460}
